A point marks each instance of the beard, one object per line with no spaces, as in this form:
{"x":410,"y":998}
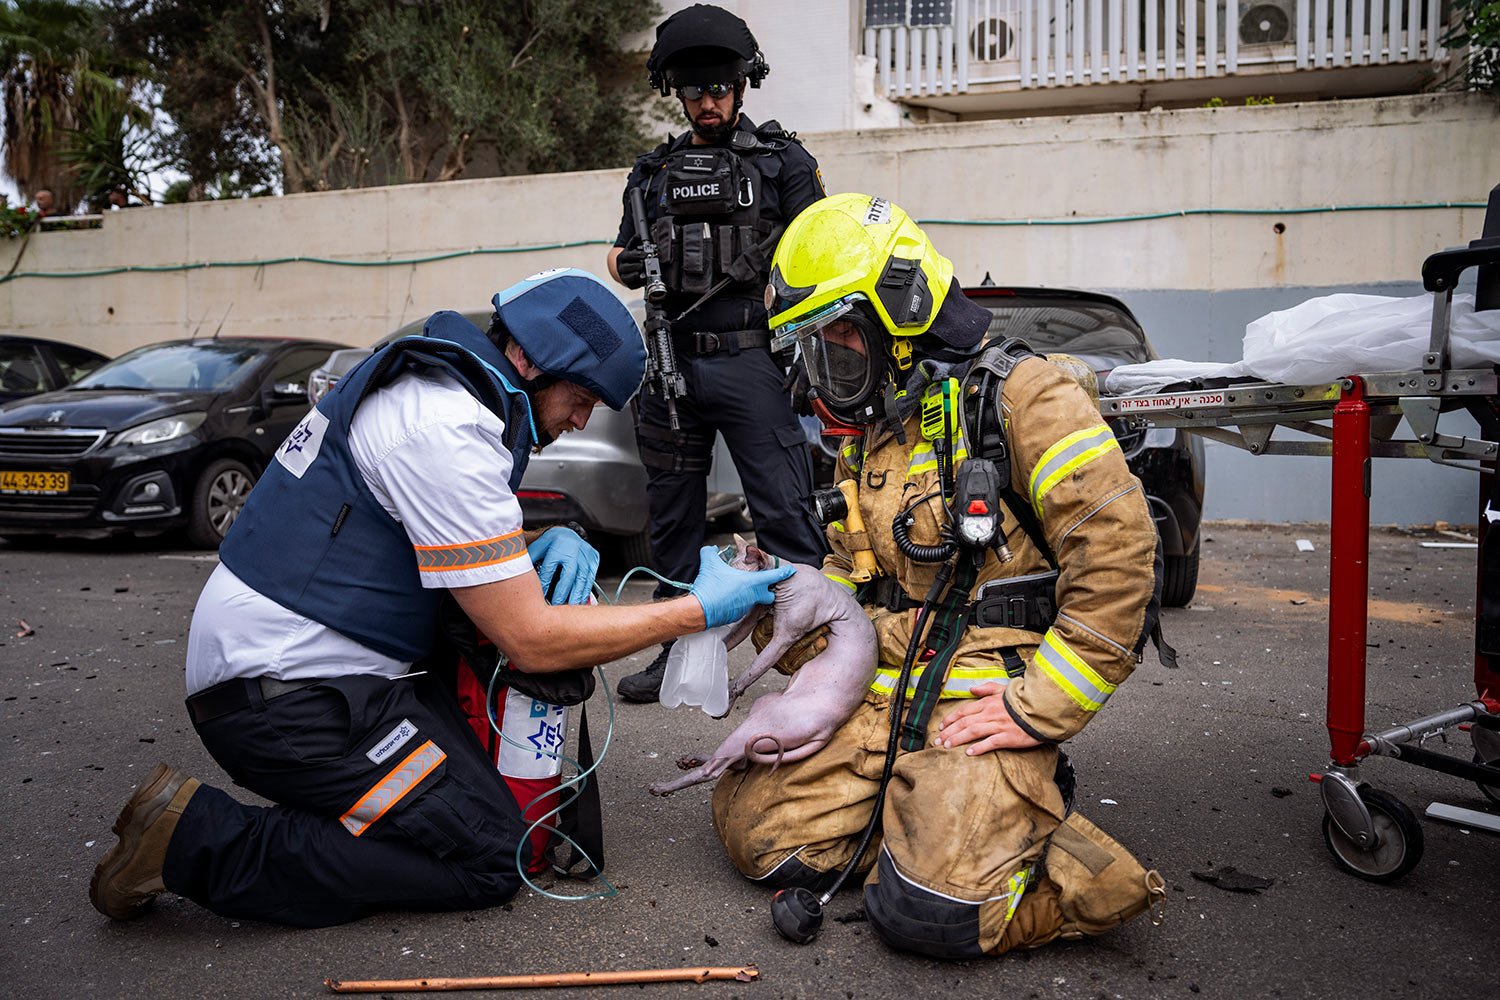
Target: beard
{"x":714,"y":133}
{"x":532,"y":387}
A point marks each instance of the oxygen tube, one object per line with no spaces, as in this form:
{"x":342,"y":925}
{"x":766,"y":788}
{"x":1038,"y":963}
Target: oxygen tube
{"x":567,"y":792}
{"x":571,"y":789}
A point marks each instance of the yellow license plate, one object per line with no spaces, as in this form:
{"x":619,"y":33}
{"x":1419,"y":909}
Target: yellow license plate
{"x":34,"y":482}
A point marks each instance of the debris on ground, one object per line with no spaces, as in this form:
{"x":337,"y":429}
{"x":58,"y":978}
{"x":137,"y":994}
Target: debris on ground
{"x":1280,"y":792}
{"x":1234,"y":880}
{"x":25,"y":630}
{"x":854,"y":916}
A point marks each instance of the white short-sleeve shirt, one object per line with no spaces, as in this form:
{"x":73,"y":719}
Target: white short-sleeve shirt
{"x":436,"y":460}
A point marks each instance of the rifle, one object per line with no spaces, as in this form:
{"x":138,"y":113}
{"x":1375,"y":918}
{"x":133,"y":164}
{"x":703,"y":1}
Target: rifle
{"x":662,"y":375}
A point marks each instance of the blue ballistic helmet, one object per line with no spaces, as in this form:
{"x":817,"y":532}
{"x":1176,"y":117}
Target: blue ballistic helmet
{"x":573,"y":327}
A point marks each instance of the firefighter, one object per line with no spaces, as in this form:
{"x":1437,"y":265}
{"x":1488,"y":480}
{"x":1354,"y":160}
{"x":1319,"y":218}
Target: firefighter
{"x":976,"y":849}
{"x":398,"y":489}
{"x":717,"y":196}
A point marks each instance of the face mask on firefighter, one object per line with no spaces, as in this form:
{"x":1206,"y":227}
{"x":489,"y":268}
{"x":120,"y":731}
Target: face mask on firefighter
{"x":840,"y":350}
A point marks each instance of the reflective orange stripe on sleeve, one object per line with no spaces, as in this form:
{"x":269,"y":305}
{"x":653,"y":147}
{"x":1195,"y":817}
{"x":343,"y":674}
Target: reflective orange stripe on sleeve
{"x":470,"y":555}
{"x":393,"y":787}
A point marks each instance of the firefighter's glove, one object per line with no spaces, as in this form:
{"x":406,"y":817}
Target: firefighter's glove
{"x":798,"y":653}
{"x":566,"y":565}
{"x":727,"y":594}
{"x":631,"y":267}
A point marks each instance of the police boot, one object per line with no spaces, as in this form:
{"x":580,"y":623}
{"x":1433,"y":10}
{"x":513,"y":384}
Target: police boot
{"x":130,"y":876}
{"x":645,"y":686}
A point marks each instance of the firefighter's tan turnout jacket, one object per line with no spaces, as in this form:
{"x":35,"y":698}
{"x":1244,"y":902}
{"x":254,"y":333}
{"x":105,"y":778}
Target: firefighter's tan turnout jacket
{"x":1066,"y":464}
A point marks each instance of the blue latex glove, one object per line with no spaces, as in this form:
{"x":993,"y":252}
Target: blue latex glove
{"x":727,"y":594}
{"x":566,"y":565}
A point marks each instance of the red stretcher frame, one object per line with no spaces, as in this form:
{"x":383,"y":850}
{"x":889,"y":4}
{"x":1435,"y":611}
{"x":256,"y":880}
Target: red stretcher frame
{"x":1371,"y":834}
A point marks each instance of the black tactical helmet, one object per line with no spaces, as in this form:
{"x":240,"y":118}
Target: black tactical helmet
{"x":704,"y":44}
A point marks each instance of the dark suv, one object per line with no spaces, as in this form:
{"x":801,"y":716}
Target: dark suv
{"x":1101,"y":331}
{"x":166,"y":435}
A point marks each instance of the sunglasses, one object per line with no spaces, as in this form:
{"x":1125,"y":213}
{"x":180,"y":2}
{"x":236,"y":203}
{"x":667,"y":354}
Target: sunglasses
{"x":689,"y":92}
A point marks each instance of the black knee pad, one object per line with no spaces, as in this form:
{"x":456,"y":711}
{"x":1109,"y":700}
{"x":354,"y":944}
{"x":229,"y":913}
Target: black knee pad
{"x":909,"y":918}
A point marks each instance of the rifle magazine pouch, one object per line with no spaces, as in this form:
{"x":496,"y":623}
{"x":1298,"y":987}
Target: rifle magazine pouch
{"x":664,"y":234}
{"x":697,"y":258}
{"x":1100,"y":885}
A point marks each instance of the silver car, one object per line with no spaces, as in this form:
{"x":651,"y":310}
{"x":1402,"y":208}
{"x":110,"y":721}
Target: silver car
{"x":593,"y":476}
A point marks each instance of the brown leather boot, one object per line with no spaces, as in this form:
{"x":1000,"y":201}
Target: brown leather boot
{"x":129,"y":876}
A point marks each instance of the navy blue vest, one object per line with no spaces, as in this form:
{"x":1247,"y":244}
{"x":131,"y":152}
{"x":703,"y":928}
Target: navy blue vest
{"x":313,"y":538}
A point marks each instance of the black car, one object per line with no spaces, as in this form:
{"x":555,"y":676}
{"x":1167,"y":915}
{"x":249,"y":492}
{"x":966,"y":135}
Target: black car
{"x":29,"y":365}
{"x":1101,"y":331}
{"x":167,"y":435}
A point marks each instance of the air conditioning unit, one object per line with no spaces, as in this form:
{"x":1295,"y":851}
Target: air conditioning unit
{"x":992,"y":39}
{"x":1268,"y":22}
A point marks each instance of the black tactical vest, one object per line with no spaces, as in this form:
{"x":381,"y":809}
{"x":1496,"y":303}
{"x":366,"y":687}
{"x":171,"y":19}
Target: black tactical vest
{"x":710,"y":227}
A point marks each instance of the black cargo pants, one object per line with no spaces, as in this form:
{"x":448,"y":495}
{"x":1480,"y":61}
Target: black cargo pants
{"x":385,"y":801}
{"x":738,"y":395}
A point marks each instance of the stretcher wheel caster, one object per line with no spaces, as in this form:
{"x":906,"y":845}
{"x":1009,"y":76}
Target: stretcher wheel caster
{"x":1395,"y":849}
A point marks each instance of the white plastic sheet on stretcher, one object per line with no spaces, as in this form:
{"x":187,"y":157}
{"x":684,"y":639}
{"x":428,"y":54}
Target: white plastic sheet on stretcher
{"x":1350,"y":371}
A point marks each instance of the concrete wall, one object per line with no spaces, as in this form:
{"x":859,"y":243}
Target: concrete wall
{"x":1196,"y":279}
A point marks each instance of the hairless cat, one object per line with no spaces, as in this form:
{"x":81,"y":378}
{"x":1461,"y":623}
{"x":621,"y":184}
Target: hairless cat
{"x":795,"y":722}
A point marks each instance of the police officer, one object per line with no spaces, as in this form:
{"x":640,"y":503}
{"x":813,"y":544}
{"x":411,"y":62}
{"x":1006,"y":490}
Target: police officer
{"x":398,"y":489}
{"x":978,"y":849}
{"x":717,"y":197}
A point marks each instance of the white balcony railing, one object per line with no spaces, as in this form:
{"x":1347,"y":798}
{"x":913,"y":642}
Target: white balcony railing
{"x":929,"y":47}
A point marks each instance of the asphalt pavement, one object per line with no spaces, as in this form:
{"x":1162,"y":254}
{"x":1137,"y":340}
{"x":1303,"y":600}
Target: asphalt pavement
{"x":1197,"y":769}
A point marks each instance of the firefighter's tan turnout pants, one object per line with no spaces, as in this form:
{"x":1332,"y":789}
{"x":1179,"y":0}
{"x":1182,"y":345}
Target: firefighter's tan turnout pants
{"x":972,"y":856}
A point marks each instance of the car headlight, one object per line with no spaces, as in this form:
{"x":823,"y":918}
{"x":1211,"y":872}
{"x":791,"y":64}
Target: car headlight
{"x":165,"y":429}
{"x":318,"y":384}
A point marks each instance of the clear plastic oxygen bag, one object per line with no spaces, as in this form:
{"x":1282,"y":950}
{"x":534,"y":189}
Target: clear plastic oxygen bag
{"x":698,"y":672}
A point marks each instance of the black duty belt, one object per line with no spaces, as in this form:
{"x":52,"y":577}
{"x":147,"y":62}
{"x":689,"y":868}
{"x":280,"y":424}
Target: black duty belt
{"x":233,"y":695}
{"x":733,"y":341}
{"x":1024,"y":602}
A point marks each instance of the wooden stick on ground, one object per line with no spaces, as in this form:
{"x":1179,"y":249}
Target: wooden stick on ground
{"x":696,"y":974}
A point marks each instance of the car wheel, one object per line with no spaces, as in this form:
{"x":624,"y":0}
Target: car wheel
{"x":635,"y":549}
{"x":217,"y":498}
{"x":1180,"y":578}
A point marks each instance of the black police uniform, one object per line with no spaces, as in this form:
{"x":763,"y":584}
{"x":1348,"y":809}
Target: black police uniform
{"x":734,"y":386}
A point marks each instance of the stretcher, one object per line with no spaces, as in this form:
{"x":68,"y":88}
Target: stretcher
{"x":1370,"y":833}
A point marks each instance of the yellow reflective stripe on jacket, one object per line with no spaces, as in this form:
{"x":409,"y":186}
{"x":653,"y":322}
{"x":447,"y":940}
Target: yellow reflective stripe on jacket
{"x":851,"y":457}
{"x":924,"y":457}
{"x":393,"y":787}
{"x":1073,"y":451}
{"x":1069,"y":672}
{"x":960,"y":682}
{"x":839,"y":580}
